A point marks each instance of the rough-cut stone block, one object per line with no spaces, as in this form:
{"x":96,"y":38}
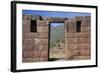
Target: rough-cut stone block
{"x":72,"y":46}
{"x":85,"y":24}
{"x":37,"y":54}
{"x":36,"y":47}
{"x":40,"y":29}
{"x":71,"y":27}
{"x":72,"y":53}
{"x":36,"y":41}
{"x":45,"y":29}
{"x":81,"y":57}
{"x":42,"y":23}
{"x":82,"y":35}
{"x":70,"y":35}
{"x":31,"y":35}
{"x":88,"y":18}
{"x":25,"y":23}
{"x":25,"y":29}
{"x":84,"y":46}
{"x":28,"y":60}
{"x":86,"y":52}
{"x":43,"y":35}
{"x":83,"y":40}
{"x":44,"y":42}
{"x":28,"y":41}
{"x":44,"y":54}
{"x":72,"y":40}
{"x":28,"y":54}
{"x":85,"y":29}
{"x":43,"y":47}
{"x":27,"y":47}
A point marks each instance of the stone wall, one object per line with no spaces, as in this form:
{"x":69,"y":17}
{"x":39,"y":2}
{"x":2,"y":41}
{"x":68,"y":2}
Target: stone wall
{"x":78,"y":43}
{"x":36,"y":44}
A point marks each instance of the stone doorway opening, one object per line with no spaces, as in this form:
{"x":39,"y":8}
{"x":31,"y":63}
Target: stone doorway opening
{"x":57,"y":41}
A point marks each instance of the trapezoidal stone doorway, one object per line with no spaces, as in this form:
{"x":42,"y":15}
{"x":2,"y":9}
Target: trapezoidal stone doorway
{"x":57,"y":49}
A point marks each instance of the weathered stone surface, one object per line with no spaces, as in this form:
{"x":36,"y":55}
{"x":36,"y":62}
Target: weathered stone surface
{"x":81,"y":57}
{"x":37,"y":54}
{"x":45,"y":29}
{"x":31,"y":35}
{"x":85,"y":29}
{"x":43,"y":35}
{"x":72,"y":46}
{"x":44,"y":42}
{"x":55,"y":19}
{"x":26,"y":29}
{"x":85,"y":24}
{"x":43,"y":47}
{"x":40,"y":29}
{"x":84,"y":46}
{"x":83,"y":40}
{"x":42,"y":23}
{"x":28,"y":41}
{"x":82,"y":35}
{"x":27,"y":47}
{"x":71,"y":26}
{"x":70,"y":35}
{"x":28,"y":54}
{"x":28,"y":60}
{"x":72,"y":40}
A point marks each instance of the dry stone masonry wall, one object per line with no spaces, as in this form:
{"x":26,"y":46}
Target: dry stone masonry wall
{"x":36,"y":41}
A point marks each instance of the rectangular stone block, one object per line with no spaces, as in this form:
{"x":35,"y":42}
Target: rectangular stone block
{"x":45,"y":29}
{"x":85,"y":29}
{"x":43,"y":47}
{"x":44,"y":42}
{"x":84,"y":46}
{"x":37,"y":54}
{"x":71,"y":27}
{"x":71,"y":40}
{"x":28,"y":41}
{"x":72,"y":46}
{"x":81,"y":57}
{"x":40,"y":29}
{"x":85,"y":24}
{"x":28,"y":60}
{"x":25,"y":29}
{"x":43,"y":35}
{"x":31,"y":35}
{"x":44,"y":54}
{"x":27,"y":47}
{"x":72,"y":54}
{"x":27,"y":54}
{"x":85,"y":52}
{"x":25,"y":22}
{"x":83,"y":40}
{"x":82,"y":35}
{"x":42,"y":23}
{"x":70,"y":35}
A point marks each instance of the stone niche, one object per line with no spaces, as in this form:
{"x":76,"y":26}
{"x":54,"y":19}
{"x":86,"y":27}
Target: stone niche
{"x":35,"y":37}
